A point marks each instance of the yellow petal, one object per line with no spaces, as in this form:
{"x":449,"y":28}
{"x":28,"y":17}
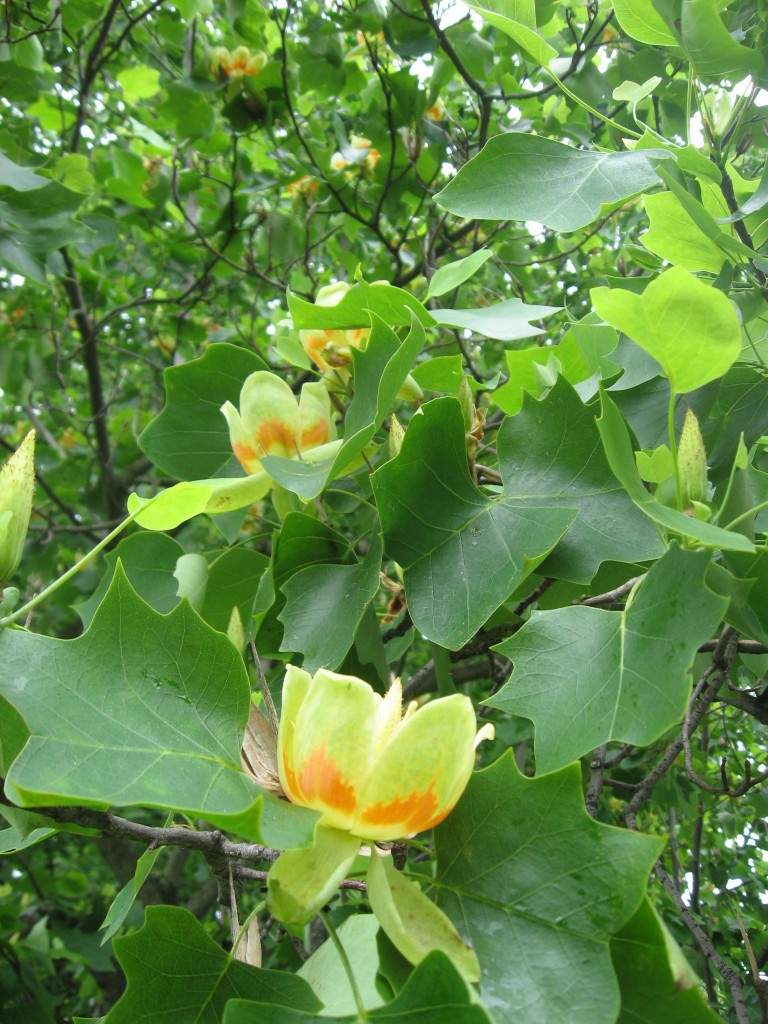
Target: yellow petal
{"x":420,"y":774}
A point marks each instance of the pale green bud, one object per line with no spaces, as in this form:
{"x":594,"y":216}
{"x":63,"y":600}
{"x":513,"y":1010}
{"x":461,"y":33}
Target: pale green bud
{"x":692,"y":461}
{"x":17,"y":482}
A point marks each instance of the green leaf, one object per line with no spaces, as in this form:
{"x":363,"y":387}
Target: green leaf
{"x":442,"y":373}
{"x":506,"y":321}
{"x":22,"y":179}
{"x":324,"y":607}
{"x":396,"y":307}
{"x":434,"y":994}
{"x":517,"y":18}
{"x":618,"y":451}
{"x":450,"y":276}
{"x":690,"y":328}
{"x":657,"y":984}
{"x":520,"y":860}
{"x":675,"y":237}
{"x":302,"y":880}
{"x":585,"y":676}
{"x":641,"y":20}
{"x":412,"y":922}
{"x":462,"y":552}
{"x":162,"y":729}
{"x":380,"y":372}
{"x":139,"y":83}
{"x":190,"y":438}
{"x":709,"y":46}
{"x":73,"y":172}
{"x":525,"y":370}
{"x":550,"y":453}
{"x":121,"y":905}
{"x":177,"y":974}
{"x":527,"y":177}
{"x":325,"y":972}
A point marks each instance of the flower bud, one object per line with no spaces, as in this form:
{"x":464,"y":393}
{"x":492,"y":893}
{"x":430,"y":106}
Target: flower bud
{"x":17,"y":482}
{"x":692,"y":461}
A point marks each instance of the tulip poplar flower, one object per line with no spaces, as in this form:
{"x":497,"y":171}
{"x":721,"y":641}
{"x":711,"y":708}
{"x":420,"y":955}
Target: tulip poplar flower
{"x":271,"y":422}
{"x":372,"y":771}
{"x":237,"y":64}
{"x":374,"y":774}
{"x":333,"y":348}
{"x":17,"y":482}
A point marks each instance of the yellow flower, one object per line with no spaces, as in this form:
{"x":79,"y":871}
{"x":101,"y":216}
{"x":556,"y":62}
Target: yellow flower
{"x":237,"y":64}
{"x":370,"y":770}
{"x":333,"y":348}
{"x":17,"y":482}
{"x":271,"y":422}
{"x":436,"y":112}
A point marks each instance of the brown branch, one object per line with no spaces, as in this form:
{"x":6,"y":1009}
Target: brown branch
{"x":731,"y":977}
{"x":113,"y":503}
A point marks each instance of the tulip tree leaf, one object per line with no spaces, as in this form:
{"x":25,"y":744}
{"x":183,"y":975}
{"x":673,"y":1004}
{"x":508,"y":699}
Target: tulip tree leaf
{"x":586,"y":676}
{"x":522,"y":859}
{"x":163,"y":729}
{"x":618,"y":450}
{"x":675,"y":237}
{"x":380,"y":372}
{"x":462,"y":552}
{"x":527,"y":177}
{"x":656,"y":981}
{"x":642,"y":21}
{"x":517,"y":18}
{"x":710,"y":47}
{"x":689,"y":327}
{"x":325,"y":605}
{"x":176,"y":974}
{"x":551,"y":451}
{"x":325,"y":971}
{"x":190,"y":438}
{"x":451,"y":275}
{"x":435,"y":993}
{"x":507,"y":321}
{"x":394,"y":306}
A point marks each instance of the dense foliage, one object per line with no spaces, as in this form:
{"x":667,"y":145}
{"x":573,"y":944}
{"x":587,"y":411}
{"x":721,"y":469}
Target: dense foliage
{"x":512,"y":261}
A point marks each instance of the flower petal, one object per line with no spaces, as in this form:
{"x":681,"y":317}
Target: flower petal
{"x":295,"y":689}
{"x":315,"y":421}
{"x":419,"y":777}
{"x":332,"y":751}
{"x":269,"y":414}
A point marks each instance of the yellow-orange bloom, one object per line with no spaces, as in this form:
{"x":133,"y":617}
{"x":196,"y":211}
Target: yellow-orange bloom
{"x":370,"y":770}
{"x":333,"y":348}
{"x":236,"y":64}
{"x":271,"y":422}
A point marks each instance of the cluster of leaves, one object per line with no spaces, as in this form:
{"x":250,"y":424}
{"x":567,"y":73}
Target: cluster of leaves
{"x":554,"y":219}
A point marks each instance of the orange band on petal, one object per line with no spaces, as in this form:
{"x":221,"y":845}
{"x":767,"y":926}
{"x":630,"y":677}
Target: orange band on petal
{"x":314,"y":435}
{"x":412,"y":811}
{"x":322,"y":781}
{"x":246,"y":456}
{"x":273,"y":433}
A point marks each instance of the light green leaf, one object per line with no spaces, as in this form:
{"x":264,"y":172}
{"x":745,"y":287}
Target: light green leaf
{"x":585,"y":676}
{"x":527,"y":177}
{"x":325,"y":972}
{"x":641,"y":20}
{"x":325,"y":605}
{"x":73,"y":172}
{"x":395,"y":306}
{"x":520,"y":860}
{"x":442,"y":373}
{"x":450,"y":276}
{"x":177,"y":974}
{"x":462,"y":552}
{"x":139,"y":83}
{"x":412,"y":922}
{"x":303,"y":880}
{"x":525,"y":376}
{"x":618,"y":451}
{"x":689,"y":327}
{"x":121,"y":905}
{"x":164,"y":730}
{"x":506,"y":321}
{"x":517,"y":18}
{"x":675,"y":237}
